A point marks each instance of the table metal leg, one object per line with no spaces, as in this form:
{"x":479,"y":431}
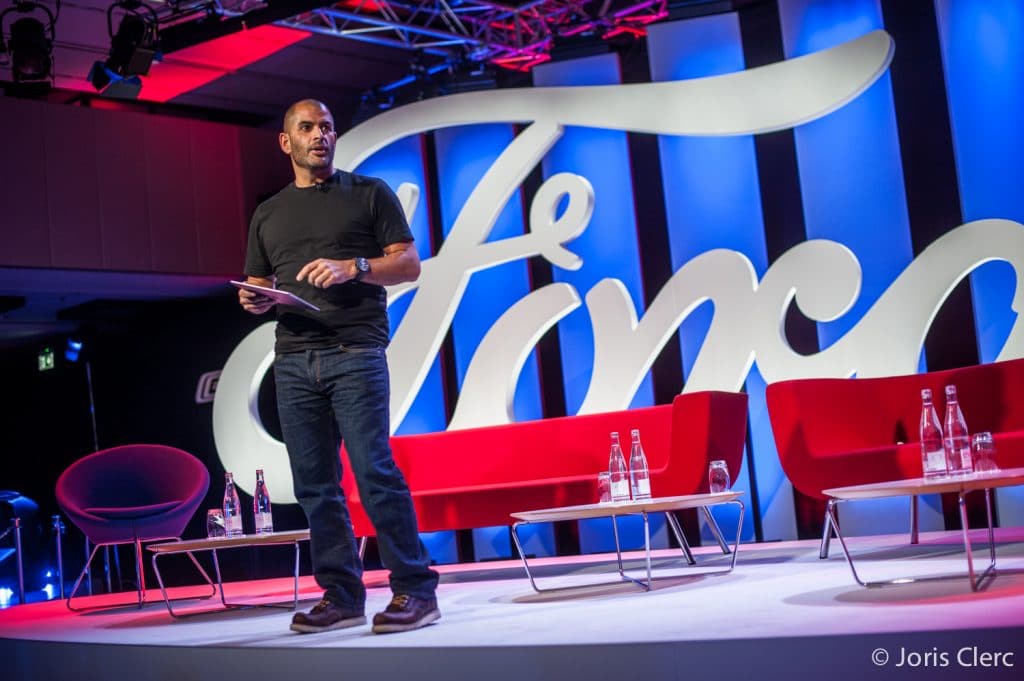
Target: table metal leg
{"x":975,"y":581}
{"x":618,"y":549}
{"x":220,"y":582}
{"x":163,"y":588}
{"x":989,"y":571}
{"x":219,"y":586}
{"x":647,"y":547}
{"x":645,"y":585}
{"x":991,"y":530}
{"x":522,"y":555}
{"x":295,"y":600}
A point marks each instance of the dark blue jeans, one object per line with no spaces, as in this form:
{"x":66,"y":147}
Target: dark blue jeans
{"x":340,"y":394}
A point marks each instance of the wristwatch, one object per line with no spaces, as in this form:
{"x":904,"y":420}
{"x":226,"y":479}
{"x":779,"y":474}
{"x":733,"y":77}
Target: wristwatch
{"x":362,"y":267}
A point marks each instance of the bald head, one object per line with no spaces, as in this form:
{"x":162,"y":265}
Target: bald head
{"x":293,"y":111}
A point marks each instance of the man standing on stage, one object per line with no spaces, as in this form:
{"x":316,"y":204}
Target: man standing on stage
{"x":336,"y":239}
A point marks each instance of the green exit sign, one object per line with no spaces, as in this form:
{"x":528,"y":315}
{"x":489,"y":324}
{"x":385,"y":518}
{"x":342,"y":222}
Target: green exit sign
{"x":46,"y":359}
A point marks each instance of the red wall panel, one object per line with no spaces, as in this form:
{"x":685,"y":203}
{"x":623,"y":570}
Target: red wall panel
{"x":172,"y":212}
{"x":217,"y":187}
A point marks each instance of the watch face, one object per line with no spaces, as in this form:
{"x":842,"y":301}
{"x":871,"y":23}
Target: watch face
{"x":362,"y":265}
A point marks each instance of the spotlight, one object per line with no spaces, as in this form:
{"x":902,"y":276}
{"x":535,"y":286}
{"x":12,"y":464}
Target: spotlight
{"x":132,"y":50}
{"x":29,"y":49}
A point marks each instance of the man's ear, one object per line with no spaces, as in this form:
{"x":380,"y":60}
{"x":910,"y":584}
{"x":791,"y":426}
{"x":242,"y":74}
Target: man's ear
{"x":286,"y":144}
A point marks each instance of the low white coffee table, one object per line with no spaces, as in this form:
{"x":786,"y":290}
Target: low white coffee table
{"x":613,"y":510}
{"x":962,"y":485}
{"x":214,"y":544}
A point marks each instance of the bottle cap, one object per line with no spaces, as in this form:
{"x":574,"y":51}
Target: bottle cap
{"x":926,"y":394}
{"x":635,"y":432}
{"x":950,"y":391}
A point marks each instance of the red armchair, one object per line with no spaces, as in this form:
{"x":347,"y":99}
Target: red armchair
{"x":832,"y":432}
{"x":129,"y":495}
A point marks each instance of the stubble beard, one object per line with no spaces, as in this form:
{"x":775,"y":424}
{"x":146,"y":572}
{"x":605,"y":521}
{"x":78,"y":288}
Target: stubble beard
{"x":306,"y":159}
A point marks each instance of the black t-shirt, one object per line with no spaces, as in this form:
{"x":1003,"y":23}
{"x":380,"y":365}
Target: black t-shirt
{"x":356,"y":216}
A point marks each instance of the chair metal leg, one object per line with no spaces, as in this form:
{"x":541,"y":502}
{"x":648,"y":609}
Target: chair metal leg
{"x":78,"y":581}
{"x":713,"y":526}
{"x":139,"y":572}
{"x":826,"y":533}
{"x":684,"y":545}
{"x":18,"y":557}
{"x":140,"y":576}
{"x":914,"y":517}
{"x":362,"y":547}
{"x":58,"y":531}
{"x":88,"y":573}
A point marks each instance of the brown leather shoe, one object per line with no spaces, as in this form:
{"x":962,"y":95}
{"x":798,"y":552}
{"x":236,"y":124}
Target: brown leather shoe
{"x":405,"y":613}
{"x":326,"y":616}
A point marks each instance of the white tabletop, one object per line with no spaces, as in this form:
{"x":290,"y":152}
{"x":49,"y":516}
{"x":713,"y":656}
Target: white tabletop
{"x":208,"y":543}
{"x":617,"y":508}
{"x":918,"y":486}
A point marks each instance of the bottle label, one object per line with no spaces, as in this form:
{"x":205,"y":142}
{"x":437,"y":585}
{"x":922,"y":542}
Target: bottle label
{"x":643,"y":488}
{"x":935,"y":462}
{"x":620,"y":490}
{"x":264,"y":523}
{"x":965,"y":459}
{"x":232,"y":525}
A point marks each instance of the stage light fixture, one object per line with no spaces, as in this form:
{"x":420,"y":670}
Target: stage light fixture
{"x":73,"y":350}
{"x":132,"y":50}
{"x":28,"y":47}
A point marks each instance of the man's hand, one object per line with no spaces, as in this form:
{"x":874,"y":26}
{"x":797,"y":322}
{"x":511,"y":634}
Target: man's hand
{"x":253,"y":302}
{"x":323,"y":272}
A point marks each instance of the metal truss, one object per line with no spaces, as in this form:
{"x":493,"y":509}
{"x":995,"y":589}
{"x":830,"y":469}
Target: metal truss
{"x":512,"y":36}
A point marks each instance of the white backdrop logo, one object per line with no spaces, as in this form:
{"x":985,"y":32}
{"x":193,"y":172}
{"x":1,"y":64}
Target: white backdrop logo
{"x":822,"y":277}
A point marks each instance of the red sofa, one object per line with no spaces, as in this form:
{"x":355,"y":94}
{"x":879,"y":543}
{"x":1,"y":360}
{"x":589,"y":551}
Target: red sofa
{"x":476,"y":477}
{"x":833,"y":432}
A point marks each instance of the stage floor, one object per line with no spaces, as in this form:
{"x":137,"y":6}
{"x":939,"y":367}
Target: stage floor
{"x":782,"y":613}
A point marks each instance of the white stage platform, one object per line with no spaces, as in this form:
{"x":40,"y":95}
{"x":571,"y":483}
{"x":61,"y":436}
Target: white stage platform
{"x":783,"y":613}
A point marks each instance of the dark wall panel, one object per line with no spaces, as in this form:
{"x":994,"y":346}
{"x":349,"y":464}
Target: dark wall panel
{"x":23,"y":195}
{"x":122,"y":175}
{"x":72,"y":188}
{"x":264,"y":169}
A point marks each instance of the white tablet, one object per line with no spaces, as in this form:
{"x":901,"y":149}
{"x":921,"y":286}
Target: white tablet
{"x":277,"y":295}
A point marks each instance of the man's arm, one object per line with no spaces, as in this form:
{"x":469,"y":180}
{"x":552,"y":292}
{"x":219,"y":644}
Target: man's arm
{"x":253,"y":302}
{"x":400,"y":263}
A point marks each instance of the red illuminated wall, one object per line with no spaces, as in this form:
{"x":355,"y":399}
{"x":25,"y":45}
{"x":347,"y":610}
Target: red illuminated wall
{"x":115,"y":190}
